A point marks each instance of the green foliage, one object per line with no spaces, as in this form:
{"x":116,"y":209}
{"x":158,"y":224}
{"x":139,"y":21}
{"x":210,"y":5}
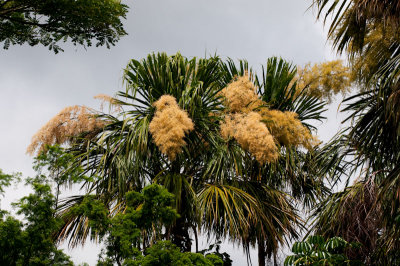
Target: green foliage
{"x":47,"y":22}
{"x":147,"y":213}
{"x":216,"y":260}
{"x":7,"y":179}
{"x":139,"y":225}
{"x":12,"y":240}
{"x":315,"y":250}
{"x":166,"y":253}
{"x":55,"y":164}
{"x":153,"y":207}
{"x":215,"y":256}
{"x":32,"y":242}
{"x":96,"y":213}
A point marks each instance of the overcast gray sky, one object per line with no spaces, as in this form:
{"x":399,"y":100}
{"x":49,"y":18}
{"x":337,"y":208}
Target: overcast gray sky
{"x":35,"y":83}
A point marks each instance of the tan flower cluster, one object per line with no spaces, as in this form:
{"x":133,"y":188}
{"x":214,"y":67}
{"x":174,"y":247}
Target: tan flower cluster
{"x":240,"y":94}
{"x":251,"y":134}
{"x":169,"y":126}
{"x":260,"y":130}
{"x":104,"y":98}
{"x":69,"y":122}
{"x":287,"y":128}
{"x":324,"y":80}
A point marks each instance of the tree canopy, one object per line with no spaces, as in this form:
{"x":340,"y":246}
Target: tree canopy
{"x":31,"y":241}
{"x":48,"y":22}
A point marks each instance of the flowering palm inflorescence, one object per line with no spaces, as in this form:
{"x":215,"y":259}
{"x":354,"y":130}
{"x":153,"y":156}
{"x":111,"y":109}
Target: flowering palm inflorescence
{"x":169,"y":126}
{"x":70,"y":122}
{"x":240,"y":94}
{"x":257,"y":128}
{"x":287,"y":129}
{"x":251,"y":134}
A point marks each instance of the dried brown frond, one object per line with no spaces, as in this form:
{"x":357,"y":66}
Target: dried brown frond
{"x":240,"y":95}
{"x":169,"y":126}
{"x":62,"y":128}
{"x":288,"y":129}
{"x":356,"y":216}
{"x":252,"y":135}
{"x":384,"y":10}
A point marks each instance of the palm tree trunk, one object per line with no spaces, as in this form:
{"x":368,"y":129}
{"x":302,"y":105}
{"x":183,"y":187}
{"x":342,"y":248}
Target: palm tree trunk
{"x":196,"y":238}
{"x":180,"y":235}
{"x":261,"y":252}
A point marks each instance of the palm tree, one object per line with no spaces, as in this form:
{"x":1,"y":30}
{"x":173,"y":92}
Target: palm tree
{"x":219,"y":187}
{"x":352,"y":19}
{"x":370,"y":145}
{"x":368,"y":31}
{"x":294,"y":173}
{"x":124,"y":154}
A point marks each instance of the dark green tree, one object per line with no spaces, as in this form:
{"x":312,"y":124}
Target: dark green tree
{"x":11,"y":240}
{"x":133,"y":237}
{"x":32,"y":240}
{"x":47,"y":22}
{"x":166,"y":253}
{"x":141,"y":224}
{"x":39,"y":229}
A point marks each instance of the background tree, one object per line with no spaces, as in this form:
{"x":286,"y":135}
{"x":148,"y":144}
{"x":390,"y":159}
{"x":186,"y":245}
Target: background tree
{"x":47,"y":22}
{"x":32,"y":241}
{"x":166,"y":253}
{"x":368,"y":32}
{"x":141,"y":224}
